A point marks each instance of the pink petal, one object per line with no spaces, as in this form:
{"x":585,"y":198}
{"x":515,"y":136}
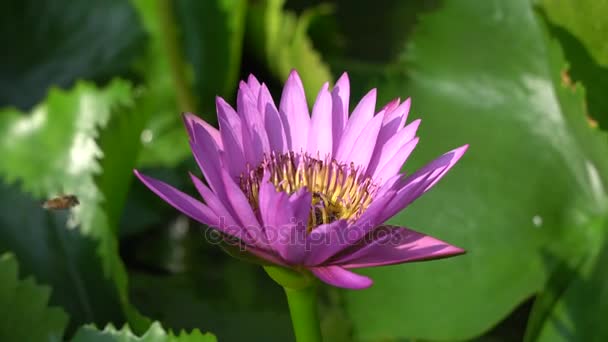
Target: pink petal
{"x":362,"y":114}
{"x":363,"y":148}
{"x":243,"y":212}
{"x":190,"y":120}
{"x":388,"y":245}
{"x":226,"y":218}
{"x":255,"y":139}
{"x":339,"y":277}
{"x":385,"y":153}
{"x":393,"y":165}
{"x":339,"y":98}
{"x":395,"y":119}
{"x":231,"y":136}
{"x":208,"y":157}
{"x":253,"y":84}
{"x":285,"y":219}
{"x":294,"y":113}
{"x":323,"y":241}
{"x":421,"y":181}
{"x":320,"y":135}
{"x":272,"y":121}
{"x":185,"y":203}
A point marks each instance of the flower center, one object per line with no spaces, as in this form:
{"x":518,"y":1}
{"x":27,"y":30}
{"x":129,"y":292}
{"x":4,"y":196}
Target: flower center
{"x":339,"y":191}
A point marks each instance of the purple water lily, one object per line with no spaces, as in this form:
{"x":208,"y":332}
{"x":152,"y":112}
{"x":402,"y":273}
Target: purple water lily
{"x":311,"y":192}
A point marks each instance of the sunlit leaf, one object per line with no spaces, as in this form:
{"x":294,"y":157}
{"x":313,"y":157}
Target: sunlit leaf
{"x":584,"y":19}
{"x":535,"y":175}
{"x":581,"y":28}
{"x":53,"y":150}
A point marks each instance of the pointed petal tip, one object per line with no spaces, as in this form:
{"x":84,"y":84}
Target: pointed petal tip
{"x":325,"y":87}
{"x":459,"y":152}
{"x":416,"y":123}
{"x":187,"y":117}
{"x":294,"y":75}
{"x":448,"y":252}
{"x":342,"y":84}
{"x":252,"y":80}
{"x":220,"y":103}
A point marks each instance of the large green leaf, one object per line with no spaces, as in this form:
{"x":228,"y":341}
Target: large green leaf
{"x":280,"y":41}
{"x":56,"y":42}
{"x":155,"y":333}
{"x":535,"y":175}
{"x":54,"y":150}
{"x":24,"y":313}
{"x":581,"y":33}
{"x":58,"y":256}
{"x":579,"y":314}
{"x":586,"y":20}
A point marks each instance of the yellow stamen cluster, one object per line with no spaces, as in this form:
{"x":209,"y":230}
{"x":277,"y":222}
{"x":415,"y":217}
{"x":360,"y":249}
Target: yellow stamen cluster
{"x":340,"y":191}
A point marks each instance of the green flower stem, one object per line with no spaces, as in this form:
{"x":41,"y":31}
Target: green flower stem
{"x":303,"y":310}
{"x":185,"y":96}
{"x":301,"y":292}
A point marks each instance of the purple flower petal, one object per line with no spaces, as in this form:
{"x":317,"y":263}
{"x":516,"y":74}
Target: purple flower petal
{"x":320,"y":135}
{"x":392,"y":165}
{"x":255,"y":139}
{"x":272,"y":121}
{"x":395,"y":117}
{"x":191,"y":119}
{"x":363,"y":148}
{"x":253,"y":84}
{"x":207,"y":155}
{"x":227,"y":221}
{"x":383,"y":154}
{"x":182,"y":202}
{"x":294,"y":113}
{"x":243,"y":212}
{"x":285,"y":219}
{"x":361,"y":116}
{"x":329,"y":240}
{"x":232,"y":139}
{"x":266,"y":255}
{"x":339,"y":98}
{"x":388,"y":245}
{"x":421,"y":181}
{"x":323,"y":242}
{"x":339,"y":277}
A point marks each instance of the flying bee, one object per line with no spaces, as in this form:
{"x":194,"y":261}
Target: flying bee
{"x":61,"y":202}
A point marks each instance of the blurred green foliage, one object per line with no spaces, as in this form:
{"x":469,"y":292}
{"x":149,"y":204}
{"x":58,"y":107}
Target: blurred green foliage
{"x":91,"y":90}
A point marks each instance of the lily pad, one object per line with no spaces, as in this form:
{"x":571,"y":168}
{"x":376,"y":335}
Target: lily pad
{"x":485,"y":73}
